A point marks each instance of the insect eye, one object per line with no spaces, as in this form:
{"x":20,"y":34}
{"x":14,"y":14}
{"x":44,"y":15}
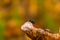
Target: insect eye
{"x":32,"y":21}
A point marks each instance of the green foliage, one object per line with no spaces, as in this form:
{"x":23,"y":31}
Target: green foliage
{"x":16,"y":15}
{"x":51,"y":24}
{"x":2,"y":29}
{"x":41,"y":2}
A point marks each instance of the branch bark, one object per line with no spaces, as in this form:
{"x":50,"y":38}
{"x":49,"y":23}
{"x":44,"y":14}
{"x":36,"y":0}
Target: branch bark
{"x":38,"y":33}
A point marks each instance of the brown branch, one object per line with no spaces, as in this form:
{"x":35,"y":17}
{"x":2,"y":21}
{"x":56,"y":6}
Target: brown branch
{"x":40,"y":34}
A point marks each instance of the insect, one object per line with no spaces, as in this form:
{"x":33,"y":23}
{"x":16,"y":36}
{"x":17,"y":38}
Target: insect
{"x":38,"y":33}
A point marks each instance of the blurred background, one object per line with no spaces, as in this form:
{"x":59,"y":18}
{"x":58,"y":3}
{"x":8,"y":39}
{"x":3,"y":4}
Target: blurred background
{"x":13,"y":13}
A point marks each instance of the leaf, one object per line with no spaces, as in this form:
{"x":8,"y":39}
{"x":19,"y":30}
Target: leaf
{"x":16,"y":15}
{"x":2,"y":28}
{"x":51,"y":24}
{"x":41,"y":1}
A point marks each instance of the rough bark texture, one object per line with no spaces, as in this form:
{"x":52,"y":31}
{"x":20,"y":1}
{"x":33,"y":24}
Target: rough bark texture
{"x":38,"y":35}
